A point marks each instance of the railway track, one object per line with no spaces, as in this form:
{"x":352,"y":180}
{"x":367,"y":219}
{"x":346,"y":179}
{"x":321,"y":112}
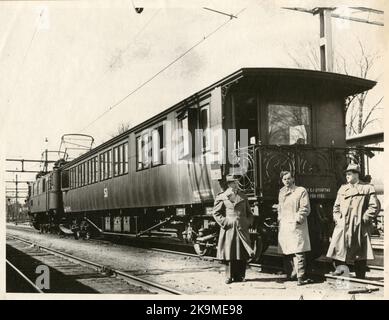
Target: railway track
{"x":277,"y":267}
{"x":106,"y":280}
{"x":327,"y":276}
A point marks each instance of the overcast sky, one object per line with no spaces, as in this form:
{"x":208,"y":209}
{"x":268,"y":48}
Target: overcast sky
{"x":63,"y":63}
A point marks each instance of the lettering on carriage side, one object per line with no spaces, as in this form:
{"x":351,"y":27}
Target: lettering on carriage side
{"x":319,"y":192}
{"x":105,"y":192}
{"x":43,"y":280}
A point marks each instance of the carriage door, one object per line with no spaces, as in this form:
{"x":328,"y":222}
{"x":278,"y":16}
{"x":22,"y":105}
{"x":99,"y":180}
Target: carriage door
{"x":245,"y":120}
{"x":245,"y":117}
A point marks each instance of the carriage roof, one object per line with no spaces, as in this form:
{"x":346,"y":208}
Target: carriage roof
{"x":340,"y":84}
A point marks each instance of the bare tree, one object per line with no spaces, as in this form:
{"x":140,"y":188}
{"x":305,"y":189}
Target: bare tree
{"x":122,"y":127}
{"x":360,"y":64}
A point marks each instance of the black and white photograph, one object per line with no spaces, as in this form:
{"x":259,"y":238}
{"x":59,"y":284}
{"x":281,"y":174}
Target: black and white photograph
{"x":193,"y":150}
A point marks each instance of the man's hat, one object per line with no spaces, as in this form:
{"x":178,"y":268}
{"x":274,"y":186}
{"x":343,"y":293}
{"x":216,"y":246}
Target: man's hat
{"x":353,"y":168}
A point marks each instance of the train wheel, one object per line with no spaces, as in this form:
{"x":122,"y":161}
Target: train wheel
{"x":201,"y":250}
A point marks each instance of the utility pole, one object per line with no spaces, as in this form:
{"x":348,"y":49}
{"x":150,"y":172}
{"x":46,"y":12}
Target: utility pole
{"x":16,"y":199}
{"x":326,"y":47}
{"x":326,"y":44}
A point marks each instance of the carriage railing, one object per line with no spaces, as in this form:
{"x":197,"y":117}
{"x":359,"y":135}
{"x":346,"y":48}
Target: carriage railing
{"x":320,"y":169}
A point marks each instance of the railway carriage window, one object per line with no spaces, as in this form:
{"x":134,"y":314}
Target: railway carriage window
{"x":81,"y":175}
{"x":105,"y":165}
{"x":89,"y":167}
{"x":43,"y":185}
{"x":143,"y":144}
{"x":109,"y":161}
{"x":139,"y":163}
{"x":116,"y":161}
{"x":101,"y":166}
{"x":183,"y":142}
{"x":289,"y":124}
{"x":85,"y":173}
{"x":79,"y":182}
{"x":120,"y":159}
{"x":96,"y":170}
{"x":125,"y":158}
{"x":204,"y":126}
{"x":159,"y":146}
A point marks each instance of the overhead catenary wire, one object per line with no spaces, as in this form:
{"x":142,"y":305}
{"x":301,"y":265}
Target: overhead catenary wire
{"x":162,"y":70}
{"x":115,"y":59}
{"x":24,"y":58}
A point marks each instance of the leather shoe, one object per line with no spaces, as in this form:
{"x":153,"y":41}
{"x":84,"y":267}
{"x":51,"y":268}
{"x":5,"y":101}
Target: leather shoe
{"x":302,"y":282}
{"x":228,"y":281}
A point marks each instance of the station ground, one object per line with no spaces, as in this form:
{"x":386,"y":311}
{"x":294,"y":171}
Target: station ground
{"x":194,"y":276}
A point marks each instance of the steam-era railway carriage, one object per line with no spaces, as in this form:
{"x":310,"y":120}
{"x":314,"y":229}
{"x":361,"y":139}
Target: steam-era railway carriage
{"x":151,"y":181}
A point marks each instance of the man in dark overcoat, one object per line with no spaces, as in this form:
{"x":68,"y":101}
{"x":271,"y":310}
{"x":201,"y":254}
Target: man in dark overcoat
{"x":355,"y":207}
{"x":233,"y":213}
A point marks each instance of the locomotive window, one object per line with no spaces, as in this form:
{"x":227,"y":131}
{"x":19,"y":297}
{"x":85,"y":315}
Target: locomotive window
{"x":289,"y":124}
{"x":71,"y":179}
{"x":204,"y":126}
{"x":65,"y":179}
{"x":43,"y":185}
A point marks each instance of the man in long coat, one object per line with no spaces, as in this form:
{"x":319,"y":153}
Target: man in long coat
{"x":233,"y":213}
{"x":293,"y":234}
{"x":355,"y":207}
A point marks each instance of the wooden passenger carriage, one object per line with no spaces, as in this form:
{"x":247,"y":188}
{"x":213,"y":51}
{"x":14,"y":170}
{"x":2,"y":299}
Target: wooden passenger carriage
{"x":294,"y":119}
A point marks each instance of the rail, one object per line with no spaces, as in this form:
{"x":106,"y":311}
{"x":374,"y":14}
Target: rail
{"x":98,"y":266}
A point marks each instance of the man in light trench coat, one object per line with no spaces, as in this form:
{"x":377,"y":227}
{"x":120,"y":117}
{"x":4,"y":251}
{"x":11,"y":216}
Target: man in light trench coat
{"x":233,"y":213}
{"x":355,"y":207}
{"x":293,"y":234}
